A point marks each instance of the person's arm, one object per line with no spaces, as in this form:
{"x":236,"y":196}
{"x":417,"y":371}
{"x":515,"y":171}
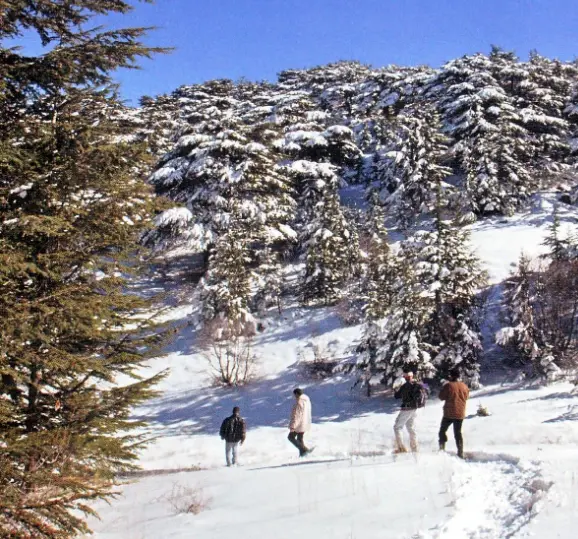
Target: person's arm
{"x":296,"y":415}
{"x":243,"y":430}
{"x":399,"y":393}
{"x":222,"y":430}
{"x":444,"y":392}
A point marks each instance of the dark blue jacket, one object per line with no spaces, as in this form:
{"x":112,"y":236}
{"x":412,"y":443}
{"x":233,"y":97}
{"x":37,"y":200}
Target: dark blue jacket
{"x":233,"y":429}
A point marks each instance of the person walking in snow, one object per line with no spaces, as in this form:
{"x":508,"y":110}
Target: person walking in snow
{"x":300,"y":421}
{"x":233,"y":431}
{"x":455,"y":394}
{"x":409,"y":391}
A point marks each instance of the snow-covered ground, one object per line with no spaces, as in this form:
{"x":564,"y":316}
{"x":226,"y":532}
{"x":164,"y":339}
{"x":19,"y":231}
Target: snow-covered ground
{"x":518,"y":482}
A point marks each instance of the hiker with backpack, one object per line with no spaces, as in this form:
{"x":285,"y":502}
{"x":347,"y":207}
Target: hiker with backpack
{"x":455,"y":394}
{"x":413,"y":396}
{"x":233,"y":431}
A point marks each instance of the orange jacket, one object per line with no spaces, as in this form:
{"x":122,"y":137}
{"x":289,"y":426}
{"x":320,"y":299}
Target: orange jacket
{"x":455,"y":394}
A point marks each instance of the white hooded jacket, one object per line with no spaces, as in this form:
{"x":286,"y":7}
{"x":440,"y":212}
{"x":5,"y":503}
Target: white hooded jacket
{"x":301,"y":415}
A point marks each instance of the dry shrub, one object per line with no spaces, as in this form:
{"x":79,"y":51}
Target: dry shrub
{"x":183,"y":499}
{"x":230,"y":355}
{"x":323,"y":362}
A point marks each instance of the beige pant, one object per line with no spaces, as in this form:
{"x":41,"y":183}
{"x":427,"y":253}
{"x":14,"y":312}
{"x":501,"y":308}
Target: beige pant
{"x":405,"y":418}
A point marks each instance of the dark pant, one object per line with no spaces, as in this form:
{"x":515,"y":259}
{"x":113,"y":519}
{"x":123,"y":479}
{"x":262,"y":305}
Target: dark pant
{"x":446,"y":422}
{"x":296,"y":438}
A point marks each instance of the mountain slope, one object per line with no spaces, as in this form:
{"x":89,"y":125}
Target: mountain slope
{"x":352,"y":486}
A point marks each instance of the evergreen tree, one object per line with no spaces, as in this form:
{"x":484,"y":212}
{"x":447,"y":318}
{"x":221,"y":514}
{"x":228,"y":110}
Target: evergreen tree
{"x":380,"y":264}
{"x":72,"y":212}
{"x":519,"y":336}
{"x":450,"y":277}
{"x":330,"y":253}
{"x":463,"y":349}
{"x":405,"y":346}
{"x":544,"y":95}
{"x":557,"y":246}
{"x":571,"y":113}
{"x":232,"y":167}
{"x":491,"y":146}
{"x":497,"y":178}
{"x":158,"y":123}
{"x":416,"y":167}
{"x":421,"y":316}
{"x":225,"y":290}
{"x":270,"y":281}
{"x":378,"y":291}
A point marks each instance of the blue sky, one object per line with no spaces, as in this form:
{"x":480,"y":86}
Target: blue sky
{"x":258,"y":38}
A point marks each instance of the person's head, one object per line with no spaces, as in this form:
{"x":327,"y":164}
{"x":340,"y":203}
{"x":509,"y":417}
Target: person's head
{"x":454,"y":374}
{"x":297,"y":392}
{"x":236,"y":411}
{"x":408,"y":376}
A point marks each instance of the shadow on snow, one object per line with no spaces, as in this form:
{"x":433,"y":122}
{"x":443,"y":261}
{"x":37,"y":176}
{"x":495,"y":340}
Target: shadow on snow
{"x":263,"y":403}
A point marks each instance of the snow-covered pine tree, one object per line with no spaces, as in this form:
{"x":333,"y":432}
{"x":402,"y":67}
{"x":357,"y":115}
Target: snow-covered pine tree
{"x":461,"y":279}
{"x":401,"y":343}
{"x":225,"y":290}
{"x":544,"y":95}
{"x":463,"y":349}
{"x":296,"y":110}
{"x":159,"y":123}
{"x":539,"y":90}
{"x":204,"y":107}
{"x":330,"y":252}
{"x":499,"y":177}
{"x":232,"y":167}
{"x":451,"y":276}
{"x":416,"y":166}
{"x":518,"y":337}
{"x":541,"y":307}
{"x":378,"y":163}
{"x":571,"y":114}
{"x":491,"y":146}
{"x":380,"y":262}
{"x":319,"y":159}
{"x":314,"y":181}
{"x":377,"y":290}
{"x":321,"y":79}
{"x":559,"y":248}
{"x":428,"y":324}
{"x":270,"y":280}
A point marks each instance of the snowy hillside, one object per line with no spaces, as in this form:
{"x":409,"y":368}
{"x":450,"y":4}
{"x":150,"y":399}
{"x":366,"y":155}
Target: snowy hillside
{"x":517,"y":481}
{"x":352,"y":186}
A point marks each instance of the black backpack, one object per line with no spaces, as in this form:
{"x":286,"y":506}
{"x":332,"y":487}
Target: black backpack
{"x":420,"y":394}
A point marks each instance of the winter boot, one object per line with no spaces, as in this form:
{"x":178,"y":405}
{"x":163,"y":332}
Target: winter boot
{"x":461,"y":450}
{"x":400,"y":449}
{"x":442,"y":446}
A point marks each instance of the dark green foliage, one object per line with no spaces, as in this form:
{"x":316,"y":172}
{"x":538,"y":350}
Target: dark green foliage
{"x":72,"y":335}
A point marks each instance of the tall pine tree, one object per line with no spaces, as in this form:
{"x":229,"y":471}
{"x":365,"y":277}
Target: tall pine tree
{"x":416,"y":164}
{"x":72,"y":212}
{"x":331,"y":251}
